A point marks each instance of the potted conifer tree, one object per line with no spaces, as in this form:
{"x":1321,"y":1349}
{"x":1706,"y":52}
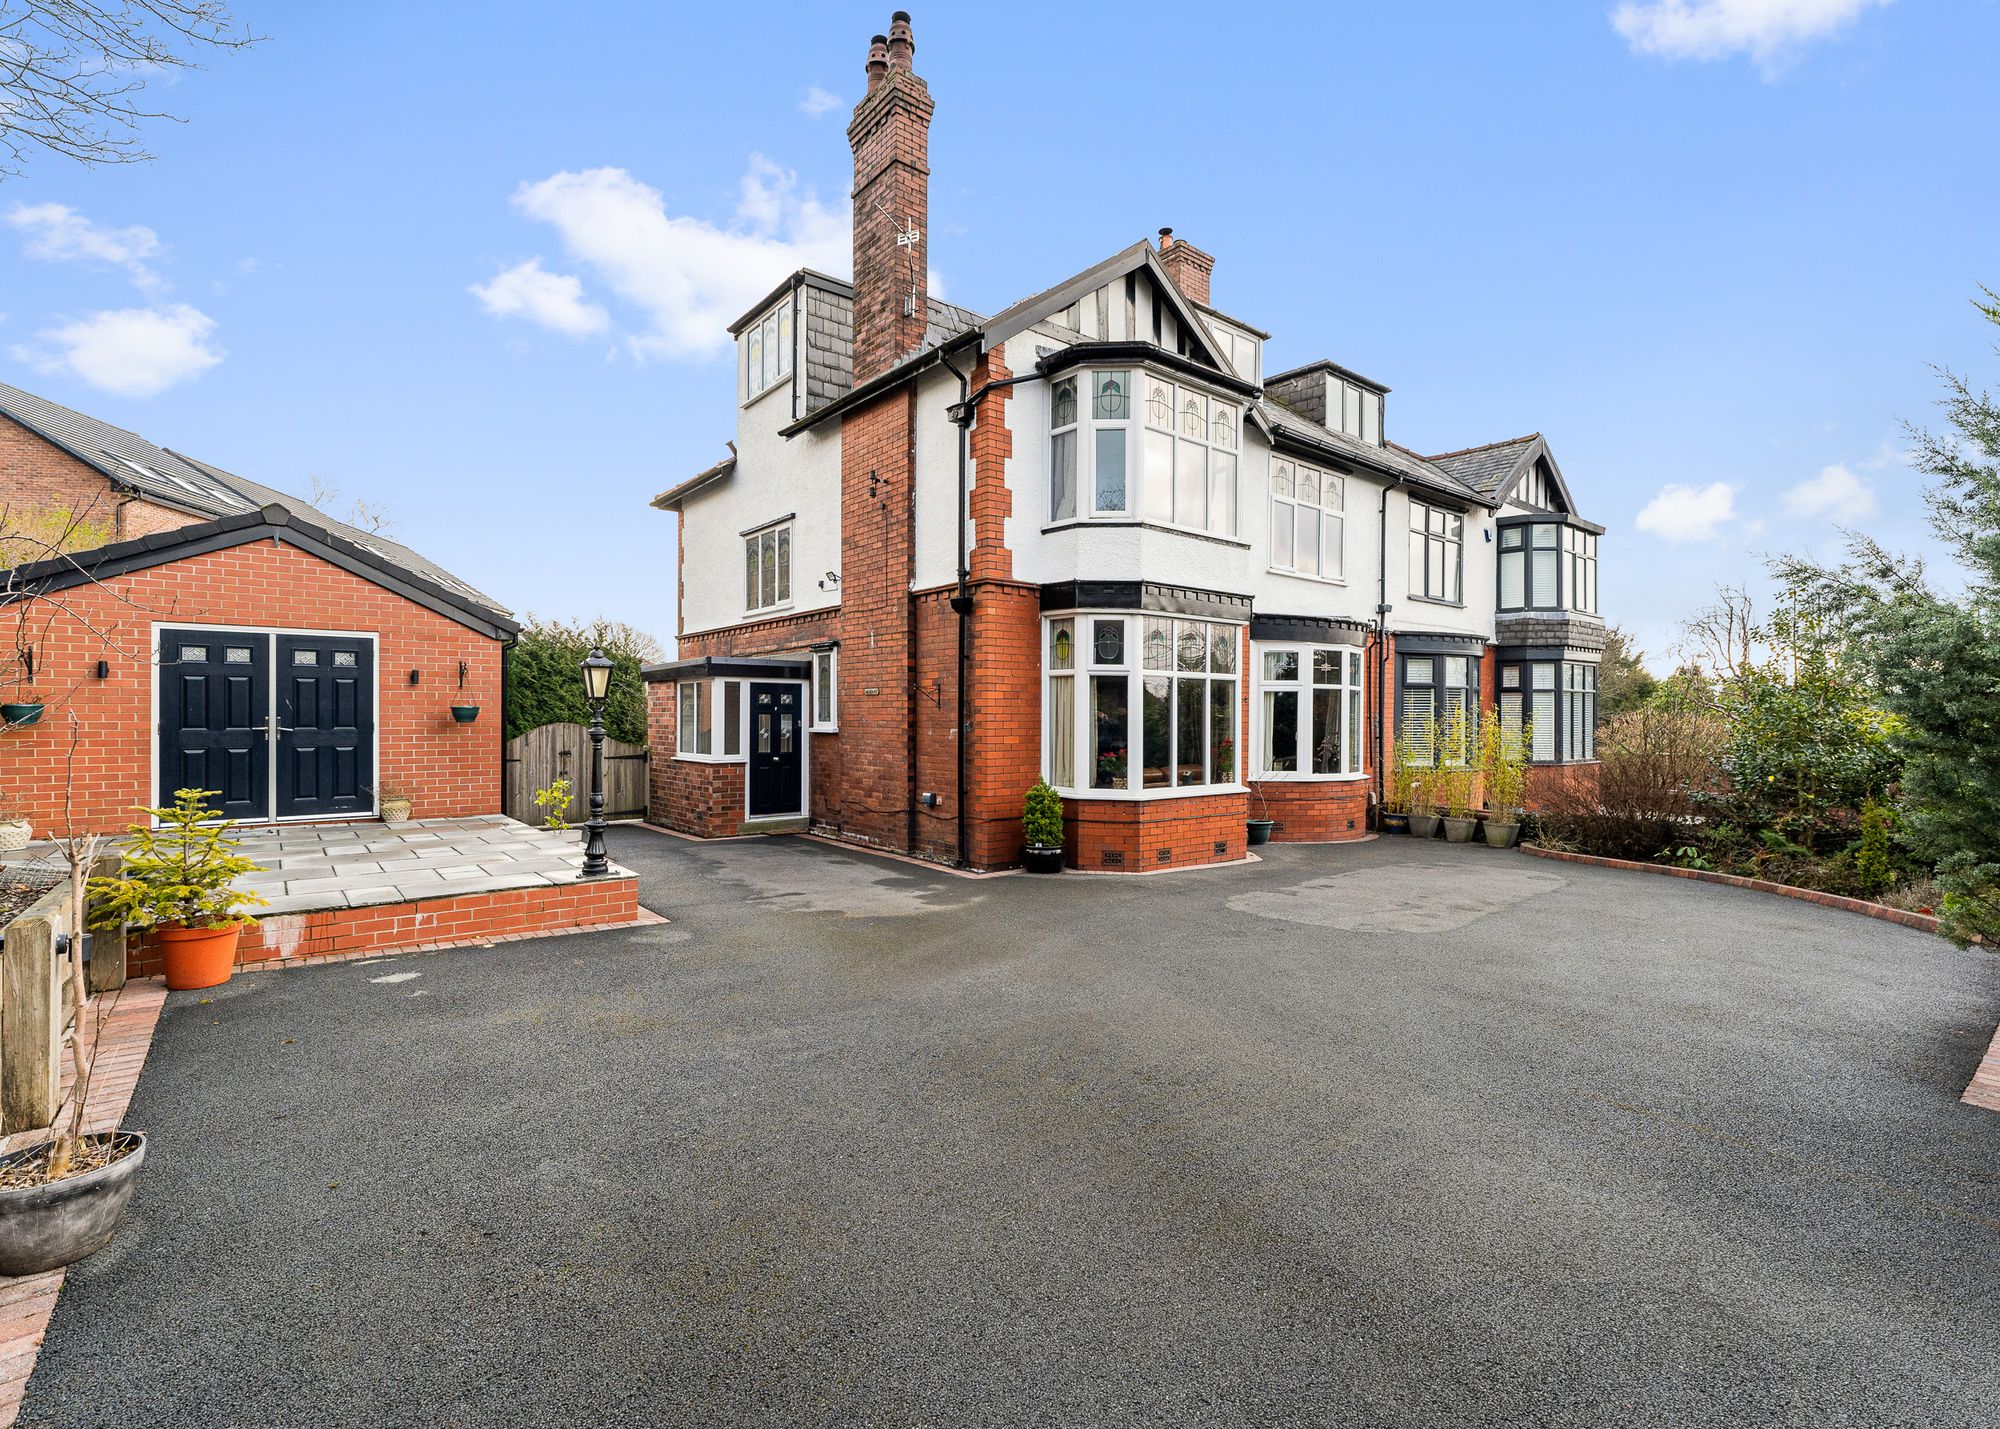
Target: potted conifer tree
{"x":179,"y":881}
{"x":1042,"y":823}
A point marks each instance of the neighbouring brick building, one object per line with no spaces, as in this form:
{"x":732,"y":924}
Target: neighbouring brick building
{"x":216,"y":633}
{"x":1088,"y":538}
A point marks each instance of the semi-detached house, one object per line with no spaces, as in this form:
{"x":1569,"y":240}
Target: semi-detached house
{"x":1090,"y":538}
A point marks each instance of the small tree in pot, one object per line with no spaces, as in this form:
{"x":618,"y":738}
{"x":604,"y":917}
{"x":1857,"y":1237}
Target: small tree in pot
{"x":1416,"y":748}
{"x":179,"y":880}
{"x":1504,"y":755}
{"x":1042,"y":823}
{"x":1461,"y":778}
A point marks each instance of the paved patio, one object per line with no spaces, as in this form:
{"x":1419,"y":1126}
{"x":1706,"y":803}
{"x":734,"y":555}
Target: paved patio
{"x":310,"y":867}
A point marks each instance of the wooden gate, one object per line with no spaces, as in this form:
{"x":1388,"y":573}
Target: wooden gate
{"x":538,"y":758}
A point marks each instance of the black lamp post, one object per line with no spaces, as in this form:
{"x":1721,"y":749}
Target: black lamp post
{"x":596,"y":682}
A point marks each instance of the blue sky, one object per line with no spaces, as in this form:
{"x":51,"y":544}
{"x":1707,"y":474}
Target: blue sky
{"x":474,"y":269}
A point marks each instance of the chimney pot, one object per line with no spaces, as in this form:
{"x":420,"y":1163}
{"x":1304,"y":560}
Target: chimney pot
{"x":878,"y":59}
{"x":902,"y":43}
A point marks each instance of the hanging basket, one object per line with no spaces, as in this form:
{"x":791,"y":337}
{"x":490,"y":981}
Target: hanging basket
{"x":21,"y":714}
{"x":465,"y":714}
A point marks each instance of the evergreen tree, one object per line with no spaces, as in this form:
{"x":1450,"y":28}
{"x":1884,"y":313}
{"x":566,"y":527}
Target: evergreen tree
{"x":544,"y":685}
{"x":1934,"y":657}
{"x":1623,"y":681}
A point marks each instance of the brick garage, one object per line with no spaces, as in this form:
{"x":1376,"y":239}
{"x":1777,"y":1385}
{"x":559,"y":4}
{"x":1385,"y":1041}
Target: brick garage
{"x":264,"y":571}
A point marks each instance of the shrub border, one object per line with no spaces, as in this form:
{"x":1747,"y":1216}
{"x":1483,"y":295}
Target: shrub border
{"x":1922,"y":922}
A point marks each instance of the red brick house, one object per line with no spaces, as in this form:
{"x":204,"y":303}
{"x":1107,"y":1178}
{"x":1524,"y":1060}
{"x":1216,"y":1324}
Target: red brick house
{"x":219,"y":634}
{"x":1089,"y":538}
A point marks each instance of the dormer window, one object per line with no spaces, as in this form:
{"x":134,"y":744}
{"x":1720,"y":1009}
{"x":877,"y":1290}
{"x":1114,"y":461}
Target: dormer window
{"x":1354,"y":410}
{"x":767,"y":351}
{"x":1169,"y":456}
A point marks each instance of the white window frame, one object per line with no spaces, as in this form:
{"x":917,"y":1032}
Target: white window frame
{"x":712,"y":695}
{"x":825,"y":681}
{"x":1352,"y":694}
{"x":767,"y":352}
{"x":780,"y":538}
{"x":1287,"y":486}
{"x":1085,"y":668}
{"x":1219,"y":438}
{"x":1438,"y":525}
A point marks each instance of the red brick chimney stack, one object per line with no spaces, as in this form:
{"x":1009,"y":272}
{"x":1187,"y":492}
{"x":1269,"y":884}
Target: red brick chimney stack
{"x":1187,"y":265}
{"x":890,"y":136}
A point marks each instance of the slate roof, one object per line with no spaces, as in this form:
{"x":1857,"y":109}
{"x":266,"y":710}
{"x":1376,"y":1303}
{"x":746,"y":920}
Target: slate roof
{"x":1391,"y":459}
{"x":826,"y":313}
{"x":179,"y":481}
{"x":1486,"y":468}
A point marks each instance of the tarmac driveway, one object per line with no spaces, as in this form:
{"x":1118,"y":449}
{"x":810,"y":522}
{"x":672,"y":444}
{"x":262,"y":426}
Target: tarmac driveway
{"x":1382,"y":1134}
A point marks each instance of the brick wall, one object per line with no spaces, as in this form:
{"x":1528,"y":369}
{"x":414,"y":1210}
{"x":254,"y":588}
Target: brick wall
{"x":1133,"y":835}
{"x":1314,"y":813}
{"x":706,"y":799}
{"x":446,"y":768}
{"x":37,"y":477}
{"x":1553,"y":782}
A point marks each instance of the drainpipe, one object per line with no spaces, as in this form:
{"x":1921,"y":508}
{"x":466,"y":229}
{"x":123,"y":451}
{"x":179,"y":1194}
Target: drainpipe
{"x":962,"y":416}
{"x":961,"y":601}
{"x":1384,"y":708}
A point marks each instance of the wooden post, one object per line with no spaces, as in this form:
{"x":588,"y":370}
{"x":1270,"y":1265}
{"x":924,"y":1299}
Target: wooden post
{"x":31,"y":1012}
{"x":108,"y":946}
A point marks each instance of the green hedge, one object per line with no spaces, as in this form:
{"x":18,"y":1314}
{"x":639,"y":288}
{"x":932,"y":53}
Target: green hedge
{"x":545,"y":684}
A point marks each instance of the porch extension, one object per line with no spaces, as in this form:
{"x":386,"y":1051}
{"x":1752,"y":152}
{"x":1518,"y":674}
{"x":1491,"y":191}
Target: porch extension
{"x":333,"y":889}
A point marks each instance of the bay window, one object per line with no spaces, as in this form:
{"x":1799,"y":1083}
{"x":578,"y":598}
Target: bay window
{"x":1546,"y":566}
{"x":1173,"y":462}
{"x":1434,"y":689}
{"x":1149,"y":701}
{"x":1308,"y":524}
{"x":1437,"y":552}
{"x":1558,"y":698}
{"x":1309,"y":711}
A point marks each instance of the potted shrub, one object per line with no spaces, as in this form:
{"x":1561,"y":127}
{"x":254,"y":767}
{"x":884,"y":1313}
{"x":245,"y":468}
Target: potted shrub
{"x":1261,"y":826}
{"x":179,"y":880}
{"x":1504,"y":754}
{"x":1042,"y":822}
{"x":393,"y":804}
{"x":1416,"y":747}
{"x":1394,"y":816}
{"x":1459,"y":780}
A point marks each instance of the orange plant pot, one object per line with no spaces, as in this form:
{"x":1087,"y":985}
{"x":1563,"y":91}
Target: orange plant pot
{"x":198,"y":957}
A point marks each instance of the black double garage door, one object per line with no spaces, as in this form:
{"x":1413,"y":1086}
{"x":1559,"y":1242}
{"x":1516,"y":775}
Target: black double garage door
{"x":281,"y":725}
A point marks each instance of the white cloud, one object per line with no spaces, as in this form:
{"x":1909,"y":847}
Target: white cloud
{"x":1689,"y":513}
{"x":818,"y":101}
{"x":688,"y":278}
{"x":1836,"y":494}
{"x":554,"y":300}
{"x":56,"y":233}
{"x":1766,"y":30}
{"x":135,"y":352}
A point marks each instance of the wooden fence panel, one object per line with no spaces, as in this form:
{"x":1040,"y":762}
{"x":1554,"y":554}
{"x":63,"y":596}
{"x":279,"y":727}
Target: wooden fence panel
{"x":538,"y":758}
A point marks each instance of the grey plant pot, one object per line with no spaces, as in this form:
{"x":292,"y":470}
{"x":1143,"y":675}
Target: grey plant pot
{"x":1459,"y":831}
{"x":1499,"y":835}
{"x":1423,"y":826}
{"x":1259,"y":831}
{"x":43,"y":1227}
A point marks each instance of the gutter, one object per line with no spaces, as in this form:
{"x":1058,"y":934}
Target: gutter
{"x":878,"y":384}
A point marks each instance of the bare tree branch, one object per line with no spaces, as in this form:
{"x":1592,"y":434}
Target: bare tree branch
{"x":73,"y":73}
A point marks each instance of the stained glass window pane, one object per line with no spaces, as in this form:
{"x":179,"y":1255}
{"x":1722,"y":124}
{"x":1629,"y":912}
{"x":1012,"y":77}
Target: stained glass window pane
{"x":305,"y":657}
{"x":342,"y":658}
{"x":1194,"y":415}
{"x":1062,"y":404}
{"x":1159,"y":404}
{"x":1110,"y":399}
{"x":1159,"y":643}
{"x":240,"y":655}
{"x":1191,"y":645}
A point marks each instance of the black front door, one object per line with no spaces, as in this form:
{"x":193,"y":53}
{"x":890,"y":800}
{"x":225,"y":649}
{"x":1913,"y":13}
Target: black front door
{"x":215,"y":695}
{"x":326,"y":725}
{"x":777,"y":751}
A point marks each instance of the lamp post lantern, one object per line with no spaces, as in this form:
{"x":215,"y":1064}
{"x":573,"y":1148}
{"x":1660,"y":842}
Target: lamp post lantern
{"x":596,"y":683}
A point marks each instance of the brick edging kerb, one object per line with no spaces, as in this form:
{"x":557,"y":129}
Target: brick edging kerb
{"x":1923,"y":923}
